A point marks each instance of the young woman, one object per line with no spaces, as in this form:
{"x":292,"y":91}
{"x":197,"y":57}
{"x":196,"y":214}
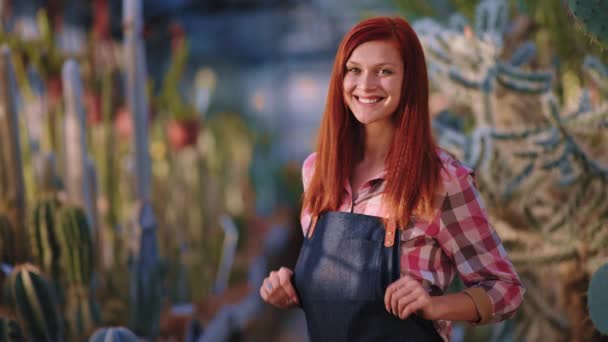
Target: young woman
{"x":389,"y":218}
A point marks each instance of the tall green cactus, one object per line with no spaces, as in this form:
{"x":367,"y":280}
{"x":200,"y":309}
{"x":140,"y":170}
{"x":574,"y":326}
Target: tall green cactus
{"x":43,"y":233}
{"x":113,"y":334}
{"x":76,"y":245}
{"x":12,"y":185}
{"x":35,"y":304}
{"x":10,"y":331}
{"x":77,"y":270}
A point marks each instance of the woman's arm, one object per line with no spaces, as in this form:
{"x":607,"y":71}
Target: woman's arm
{"x":407,"y":296}
{"x":469,"y":240}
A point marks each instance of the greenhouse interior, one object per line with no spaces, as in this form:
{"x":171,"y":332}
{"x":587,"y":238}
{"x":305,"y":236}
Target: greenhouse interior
{"x":168,"y":137}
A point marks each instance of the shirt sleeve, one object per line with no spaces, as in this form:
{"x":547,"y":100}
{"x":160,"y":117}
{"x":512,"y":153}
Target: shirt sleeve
{"x":308,"y":169}
{"x":468,"y":238}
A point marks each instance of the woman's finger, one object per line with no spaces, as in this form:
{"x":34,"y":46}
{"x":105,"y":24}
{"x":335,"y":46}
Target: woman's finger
{"x":406,"y":288}
{"x":408,"y":300}
{"x":284,"y":275}
{"x":412,"y":307}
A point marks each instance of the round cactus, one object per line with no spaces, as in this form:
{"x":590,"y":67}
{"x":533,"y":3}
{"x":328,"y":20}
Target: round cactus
{"x":597,"y":299}
{"x":113,"y":334}
{"x":35,"y":304}
{"x":9,"y":330}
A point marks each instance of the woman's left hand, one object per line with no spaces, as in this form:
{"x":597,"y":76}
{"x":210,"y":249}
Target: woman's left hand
{"x":406,"y":296}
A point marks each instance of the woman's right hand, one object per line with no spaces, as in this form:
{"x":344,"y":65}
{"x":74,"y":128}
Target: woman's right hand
{"x":278,"y":290}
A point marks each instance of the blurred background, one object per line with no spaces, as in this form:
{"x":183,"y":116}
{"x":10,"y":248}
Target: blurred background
{"x":150,"y":155}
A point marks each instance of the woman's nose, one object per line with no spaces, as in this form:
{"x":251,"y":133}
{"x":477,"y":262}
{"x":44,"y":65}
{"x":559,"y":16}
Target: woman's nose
{"x":368,"y":80}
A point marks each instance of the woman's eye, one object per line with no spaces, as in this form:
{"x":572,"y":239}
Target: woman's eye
{"x":353,"y":69}
{"x":384,"y":72}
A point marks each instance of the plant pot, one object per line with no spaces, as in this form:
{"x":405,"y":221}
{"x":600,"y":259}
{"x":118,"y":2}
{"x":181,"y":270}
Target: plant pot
{"x":182,"y":133}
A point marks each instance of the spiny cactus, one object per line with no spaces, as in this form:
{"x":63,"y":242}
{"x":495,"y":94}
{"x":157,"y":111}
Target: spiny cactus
{"x":77,"y":270}
{"x":113,"y":334}
{"x":9,"y":330}
{"x":35,"y":304}
{"x":76,"y":245}
{"x":591,"y":15}
{"x":597,"y":299}
{"x":44,"y":239}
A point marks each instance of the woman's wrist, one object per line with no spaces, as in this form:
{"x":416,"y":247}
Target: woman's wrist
{"x":452,"y":307}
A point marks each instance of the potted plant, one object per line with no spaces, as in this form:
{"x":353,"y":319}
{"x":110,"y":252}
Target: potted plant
{"x":184,"y":120}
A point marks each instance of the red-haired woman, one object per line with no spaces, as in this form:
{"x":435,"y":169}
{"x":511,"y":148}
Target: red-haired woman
{"x":389,"y":218}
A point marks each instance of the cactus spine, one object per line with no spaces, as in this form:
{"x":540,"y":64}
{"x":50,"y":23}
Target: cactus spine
{"x":35,"y":304}
{"x":113,"y":334}
{"x":9,"y":330}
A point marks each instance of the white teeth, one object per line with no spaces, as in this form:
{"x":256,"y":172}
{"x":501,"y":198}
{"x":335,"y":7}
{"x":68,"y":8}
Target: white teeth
{"x":368,"y":101}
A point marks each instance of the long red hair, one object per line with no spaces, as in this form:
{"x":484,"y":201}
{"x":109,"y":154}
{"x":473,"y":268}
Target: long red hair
{"x":412,"y":164}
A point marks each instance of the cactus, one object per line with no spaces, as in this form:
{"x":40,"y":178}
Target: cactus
{"x":591,"y":15}
{"x":12,"y":187}
{"x":113,"y":334}
{"x":597,"y":299}
{"x":77,"y":168}
{"x":44,"y":239}
{"x":81,"y":311}
{"x":35,"y":304}
{"x":146,"y":275}
{"x":76,"y":245}
{"x":10,"y":331}
{"x":77,"y":265}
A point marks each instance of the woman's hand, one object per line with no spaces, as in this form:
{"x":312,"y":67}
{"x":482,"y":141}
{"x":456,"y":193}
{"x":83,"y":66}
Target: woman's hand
{"x":278,"y":290}
{"x":407,"y":296}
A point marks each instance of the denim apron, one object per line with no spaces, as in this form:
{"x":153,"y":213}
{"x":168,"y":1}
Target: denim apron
{"x":341,"y":275}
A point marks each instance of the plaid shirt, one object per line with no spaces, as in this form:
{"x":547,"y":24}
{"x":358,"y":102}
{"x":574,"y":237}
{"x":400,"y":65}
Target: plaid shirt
{"x":458,"y":239}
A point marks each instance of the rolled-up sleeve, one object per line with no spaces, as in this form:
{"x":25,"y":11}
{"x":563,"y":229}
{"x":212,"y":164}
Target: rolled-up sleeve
{"x":468,"y":238}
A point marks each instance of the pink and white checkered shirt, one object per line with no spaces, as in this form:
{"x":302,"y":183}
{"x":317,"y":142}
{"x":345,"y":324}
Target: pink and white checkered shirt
{"x":460,"y":239}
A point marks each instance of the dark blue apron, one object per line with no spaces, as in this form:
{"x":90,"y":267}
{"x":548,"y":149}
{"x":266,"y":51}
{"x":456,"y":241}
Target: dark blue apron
{"x":341,"y":275}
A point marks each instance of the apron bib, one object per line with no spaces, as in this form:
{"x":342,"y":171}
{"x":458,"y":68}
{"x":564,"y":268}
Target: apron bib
{"x":340,"y":277}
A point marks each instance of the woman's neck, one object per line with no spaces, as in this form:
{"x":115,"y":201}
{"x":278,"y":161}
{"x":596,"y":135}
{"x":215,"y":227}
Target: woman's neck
{"x":378,"y":138}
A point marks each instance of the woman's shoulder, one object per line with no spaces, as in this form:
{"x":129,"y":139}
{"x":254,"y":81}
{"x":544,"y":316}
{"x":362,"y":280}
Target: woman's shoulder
{"x":308,"y":169}
{"x":455,"y":175}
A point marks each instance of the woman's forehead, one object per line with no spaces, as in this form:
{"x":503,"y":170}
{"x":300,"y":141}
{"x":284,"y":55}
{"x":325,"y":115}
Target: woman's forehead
{"x":375,"y":52}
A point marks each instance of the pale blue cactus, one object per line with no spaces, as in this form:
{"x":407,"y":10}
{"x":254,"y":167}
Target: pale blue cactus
{"x":78,"y":167}
{"x":145,"y":291}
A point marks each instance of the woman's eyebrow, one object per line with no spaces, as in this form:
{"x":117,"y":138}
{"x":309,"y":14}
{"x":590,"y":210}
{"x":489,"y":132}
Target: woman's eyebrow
{"x":375,"y":65}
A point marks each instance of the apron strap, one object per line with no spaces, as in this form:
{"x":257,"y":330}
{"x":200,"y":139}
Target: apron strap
{"x":389,"y":235}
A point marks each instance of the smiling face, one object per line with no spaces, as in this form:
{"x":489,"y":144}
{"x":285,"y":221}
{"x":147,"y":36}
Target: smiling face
{"x":372,"y":81}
